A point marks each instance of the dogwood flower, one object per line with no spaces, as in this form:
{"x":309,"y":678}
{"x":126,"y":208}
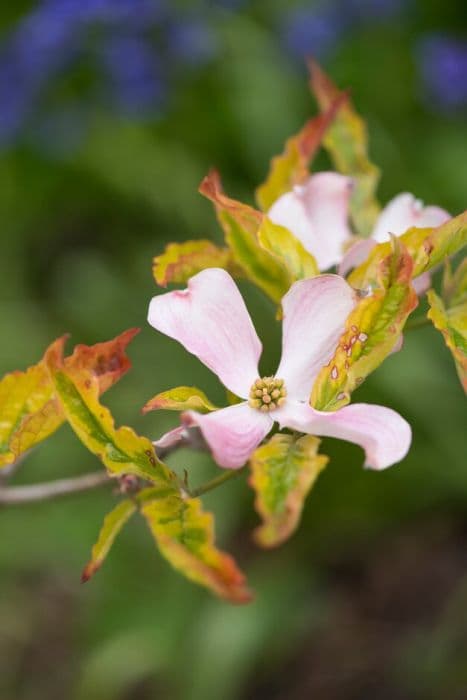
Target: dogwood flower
{"x":211,"y":321}
{"x":317,"y":214}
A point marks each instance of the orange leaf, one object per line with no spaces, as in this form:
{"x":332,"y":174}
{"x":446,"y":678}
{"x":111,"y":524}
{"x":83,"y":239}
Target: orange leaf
{"x":28,"y":404}
{"x":347,"y":143}
{"x":268,"y":254}
{"x":106,"y":361}
{"x":292,"y":166}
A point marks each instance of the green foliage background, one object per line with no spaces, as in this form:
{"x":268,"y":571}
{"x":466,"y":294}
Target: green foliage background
{"x":379,"y":560}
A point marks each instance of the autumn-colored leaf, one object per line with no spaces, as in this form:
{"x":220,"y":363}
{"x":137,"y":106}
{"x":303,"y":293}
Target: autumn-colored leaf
{"x":371,"y":332}
{"x":241,"y":223}
{"x":268,"y":254}
{"x":450,"y":317}
{"x":120,"y":449}
{"x":113,"y":523}
{"x":183,"y":532}
{"x":285,"y":247}
{"x":455,"y":284}
{"x":291,"y":167}
{"x":347,"y":143}
{"x":25,"y":396}
{"x":29,"y":409}
{"x":106,"y":361}
{"x":283,"y":472}
{"x":232,"y":398}
{"x":428,"y":247}
{"x":182,"y":398}
{"x":185,"y":536}
{"x":180,"y":261}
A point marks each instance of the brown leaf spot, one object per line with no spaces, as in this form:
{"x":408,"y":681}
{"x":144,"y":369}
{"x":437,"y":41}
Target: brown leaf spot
{"x":428,"y":246}
{"x":150,"y":457}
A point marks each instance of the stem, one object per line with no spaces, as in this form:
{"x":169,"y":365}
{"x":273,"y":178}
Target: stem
{"x":52,"y":489}
{"x":417,"y":323}
{"x":217,"y":481}
{"x":62,"y":487}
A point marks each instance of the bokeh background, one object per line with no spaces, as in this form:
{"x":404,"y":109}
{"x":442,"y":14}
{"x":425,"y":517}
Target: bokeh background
{"x":111,"y":112}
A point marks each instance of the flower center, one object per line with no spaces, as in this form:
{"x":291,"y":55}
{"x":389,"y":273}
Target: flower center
{"x":267,"y":394}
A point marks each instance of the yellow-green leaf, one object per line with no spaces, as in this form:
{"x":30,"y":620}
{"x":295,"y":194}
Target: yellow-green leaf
{"x":291,"y":167}
{"x":183,"y":532}
{"x":232,"y":398}
{"x":428,"y":247}
{"x":283,"y":472}
{"x":285,"y":247}
{"x":347,"y":143}
{"x":241,"y":223}
{"x":185,"y":536}
{"x":257,"y":264}
{"x":113,"y":523}
{"x":29,"y":410}
{"x":180,"y":261}
{"x":24,"y":396}
{"x":452,"y":323}
{"x":455,"y":284}
{"x":121,"y":450}
{"x":371,"y":332}
{"x":183,"y":398}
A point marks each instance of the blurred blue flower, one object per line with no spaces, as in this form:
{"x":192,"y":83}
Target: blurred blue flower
{"x":319,"y":29}
{"x":442,"y":64}
{"x":135,"y":80}
{"x":16,"y":102}
{"x":363,"y":11}
{"x":315,"y":31}
{"x":191,"y":40}
{"x":127,"y":49}
{"x":134,"y":12}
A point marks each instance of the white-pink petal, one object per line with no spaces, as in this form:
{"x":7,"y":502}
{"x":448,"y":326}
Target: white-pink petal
{"x":172,"y":438}
{"x":405,"y":211}
{"x":356,"y":255}
{"x":232,"y":433}
{"x":317,"y":214}
{"x":315,"y":311}
{"x":210,"y":320}
{"x":381,"y":432}
{"x":422,"y":283}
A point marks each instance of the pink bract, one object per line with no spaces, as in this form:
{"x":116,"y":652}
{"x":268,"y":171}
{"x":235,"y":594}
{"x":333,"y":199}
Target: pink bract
{"x":317,"y":213}
{"x":210,"y":320}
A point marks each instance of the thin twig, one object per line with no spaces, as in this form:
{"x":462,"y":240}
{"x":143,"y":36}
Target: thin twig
{"x":52,"y":489}
{"x":61,"y":487}
{"x":217,"y":481}
{"x":30,"y":493}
